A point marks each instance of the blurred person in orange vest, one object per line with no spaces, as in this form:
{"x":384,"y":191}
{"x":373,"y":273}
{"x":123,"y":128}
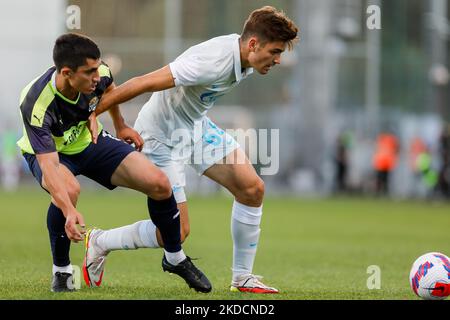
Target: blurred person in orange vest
{"x":385,"y":160}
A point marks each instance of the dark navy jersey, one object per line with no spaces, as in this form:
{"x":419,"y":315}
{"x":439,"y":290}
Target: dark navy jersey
{"x":54,"y":123}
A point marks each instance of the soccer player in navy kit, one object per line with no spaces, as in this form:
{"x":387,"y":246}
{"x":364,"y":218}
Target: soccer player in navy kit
{"x":57,"y":145}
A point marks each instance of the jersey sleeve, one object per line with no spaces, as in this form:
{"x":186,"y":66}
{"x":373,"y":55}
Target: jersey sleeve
{"x":106,"y":78}
{"x":39,"y":133}
{"x":195,"y":69}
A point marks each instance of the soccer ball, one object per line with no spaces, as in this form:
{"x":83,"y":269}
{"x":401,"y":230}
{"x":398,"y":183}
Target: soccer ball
{"x":430,"y":276}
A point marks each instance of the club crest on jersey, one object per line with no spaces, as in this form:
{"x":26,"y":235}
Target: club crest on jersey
{"x":93,"y":103}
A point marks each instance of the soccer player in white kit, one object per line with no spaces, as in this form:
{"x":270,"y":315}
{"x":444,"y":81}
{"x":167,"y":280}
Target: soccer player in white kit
{"x":184,"y":91}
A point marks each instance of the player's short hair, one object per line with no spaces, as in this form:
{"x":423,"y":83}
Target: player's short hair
{"x":270,"y":25}
{"x":71,"y":50}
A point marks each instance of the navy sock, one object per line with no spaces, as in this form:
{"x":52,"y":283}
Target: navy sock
{"x":162,"y":214}
{"x":59,"y":241}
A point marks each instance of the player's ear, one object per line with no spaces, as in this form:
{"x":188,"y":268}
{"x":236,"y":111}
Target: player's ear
{"x":66,"y":72}
{"x":252,"y":44}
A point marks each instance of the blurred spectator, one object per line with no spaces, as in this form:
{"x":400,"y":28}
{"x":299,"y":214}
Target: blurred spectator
{"x":384,"y":161}
{"x":443,"y":185}
{"x":416,"y":148}
{"x":429,"y":176}
{"x":421,"y":163}
{"x":341,"y":161}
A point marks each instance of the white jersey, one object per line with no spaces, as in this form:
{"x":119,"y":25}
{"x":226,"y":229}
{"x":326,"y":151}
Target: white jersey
{"x":202,"y":74}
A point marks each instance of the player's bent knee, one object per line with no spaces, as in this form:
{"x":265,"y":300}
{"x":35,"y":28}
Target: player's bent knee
{"x":260,"y":188}
{"x":160,"y":187}
{"x":253,"y":194}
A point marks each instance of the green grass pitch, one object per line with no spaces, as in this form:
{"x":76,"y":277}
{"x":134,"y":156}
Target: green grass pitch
{"x":309,"y":249}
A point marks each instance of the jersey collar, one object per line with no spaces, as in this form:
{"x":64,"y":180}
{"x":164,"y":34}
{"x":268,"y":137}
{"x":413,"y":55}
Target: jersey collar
{"x":237,"y":63}
{"x":55,"y":91}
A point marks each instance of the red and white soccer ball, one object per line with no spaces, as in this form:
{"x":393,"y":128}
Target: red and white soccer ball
{"x":430,"y":276}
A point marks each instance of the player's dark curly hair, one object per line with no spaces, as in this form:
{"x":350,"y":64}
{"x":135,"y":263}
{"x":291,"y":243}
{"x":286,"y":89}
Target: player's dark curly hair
{"x":270,"y":25}
{"x":71,"y":50}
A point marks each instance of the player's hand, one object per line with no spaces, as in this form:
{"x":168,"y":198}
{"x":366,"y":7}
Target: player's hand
{"x":130,"y":136}
{"x":74,"y":233}
{"x":92,"y":125}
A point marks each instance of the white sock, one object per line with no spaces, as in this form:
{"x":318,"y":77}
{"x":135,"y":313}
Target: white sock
{"x":141,"y":234}
{"x":66,"y":269}
{"x":245,"y":232}
{"x":175,"y":258}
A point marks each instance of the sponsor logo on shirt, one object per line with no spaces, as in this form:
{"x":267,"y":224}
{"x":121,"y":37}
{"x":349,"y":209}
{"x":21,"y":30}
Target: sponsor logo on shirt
{"x":93,"y":103}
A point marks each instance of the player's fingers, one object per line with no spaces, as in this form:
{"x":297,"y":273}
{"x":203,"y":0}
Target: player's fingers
{"x":137,"y":146}
{"x":82,"y":231}
{"x":129,"y":141}
{"x":138,"y":141}
{"x":76,"y":235}
{"x":72,"y":233}
{"x":71,"y":228}
{"x":140,"y":144}
{"x":69,"y":234}
{"x":82,"y":225}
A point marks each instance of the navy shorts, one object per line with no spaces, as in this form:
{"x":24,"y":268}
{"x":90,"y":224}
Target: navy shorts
{"x":97,"y":162}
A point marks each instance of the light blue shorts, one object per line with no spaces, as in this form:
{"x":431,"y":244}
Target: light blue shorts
{"x":210,"y":149}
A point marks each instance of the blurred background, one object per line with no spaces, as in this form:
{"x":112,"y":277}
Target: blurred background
{"x":360,"y":111}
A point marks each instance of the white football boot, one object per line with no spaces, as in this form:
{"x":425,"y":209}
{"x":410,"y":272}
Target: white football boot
{"x":251,"y":283}
{"x":94,"y":260}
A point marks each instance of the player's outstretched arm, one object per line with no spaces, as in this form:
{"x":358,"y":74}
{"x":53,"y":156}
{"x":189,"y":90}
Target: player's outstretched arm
{"x":159,"y":80}
{"x":123,"y":131}
{"x":49,"y":163}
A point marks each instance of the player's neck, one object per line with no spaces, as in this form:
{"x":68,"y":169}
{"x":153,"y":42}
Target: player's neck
{"x":63,"y":86}
{"x":244,"y":55}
